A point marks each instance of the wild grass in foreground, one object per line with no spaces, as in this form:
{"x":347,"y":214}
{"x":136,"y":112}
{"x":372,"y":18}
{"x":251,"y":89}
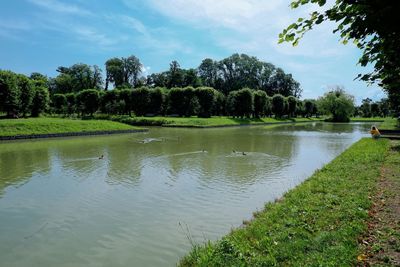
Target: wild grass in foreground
{"x":202,"y":122}
{"x":315,"y":224}
{"x":13,"y":127}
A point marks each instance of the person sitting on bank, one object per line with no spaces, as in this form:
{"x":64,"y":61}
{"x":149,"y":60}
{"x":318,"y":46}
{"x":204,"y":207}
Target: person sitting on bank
{"x":375,"y":132}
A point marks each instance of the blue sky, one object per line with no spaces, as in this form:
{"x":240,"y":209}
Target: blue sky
{"x":40,"y":35}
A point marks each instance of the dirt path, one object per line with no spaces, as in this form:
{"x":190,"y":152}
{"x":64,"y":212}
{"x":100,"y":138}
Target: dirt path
{"x":381,"y":244}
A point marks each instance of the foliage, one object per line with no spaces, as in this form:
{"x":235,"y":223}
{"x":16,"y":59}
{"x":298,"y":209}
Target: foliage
{"x":140,"y":100}
{"x":40,"y":101}
{"x":88,"y":101}
{"x":260,"y":103}
{"x":318,"y":223}
{"x":278,"y":105}
{"x":76,"y":78}
{"x":292,"y":105}
{"x":59,"y":103}
{"x":371,"y":24}
{"x":183,"y":101}
{"x":157,"y":101}
{"x":207,"y":97}
{"x":26,"y":88}
{"x":123,"y":72}
{"x":338,"y":104}
{"x":9,"y":93}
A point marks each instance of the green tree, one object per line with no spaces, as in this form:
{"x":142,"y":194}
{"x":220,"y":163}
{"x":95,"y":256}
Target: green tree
{"x":371,"y":24}
{"x":208,"y":72}
{"x":175,"y":75}
{"x":244,"y":102}
{"x":9,"y":93}
{"x":88,"y":101}
{"x":292,"y":105}
{"x":308,"y":107}
{"x":278,"y":105}
{"x":71,"y":103}
{"x":109,"y":102}
{"x":338,"y":104}
{"x":59,"y":102}
{"x":157,"y":101}
{"x":207,"y":97}
{"x":140,"y":100}
{"x":26,"y":93}
{"x":77,"y":78}
{"x":40,"y":102}
{"x":365,"y":107}
{"x":375,"y":110}
{"x":260,"y":103}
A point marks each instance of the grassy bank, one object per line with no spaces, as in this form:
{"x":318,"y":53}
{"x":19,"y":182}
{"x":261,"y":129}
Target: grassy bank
{"x":203,"y":122}
{"x":33,"y":126}
{"x":381,"y":243}
{"x":390,"y":124}
{"x":316,"y":224}
{"x":360,"y":119}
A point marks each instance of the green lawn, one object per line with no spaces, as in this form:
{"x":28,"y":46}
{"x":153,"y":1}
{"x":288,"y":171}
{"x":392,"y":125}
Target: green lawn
{"x":360,"y":119}
{"x":203,"y":122}
{"x":316,"y":224}
{"x":390,"y":124}
{"x":13,"y":127}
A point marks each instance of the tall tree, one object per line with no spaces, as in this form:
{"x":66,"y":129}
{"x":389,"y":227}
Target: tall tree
{"x":175,"y":75}
{"x":373,"y":25}
{"x":77,"y":78}
{"x":208,"y":72}
{"x":338,"y":104}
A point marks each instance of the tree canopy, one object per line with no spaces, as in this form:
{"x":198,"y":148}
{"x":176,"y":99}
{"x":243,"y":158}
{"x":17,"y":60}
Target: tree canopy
{"x":373,"y":25}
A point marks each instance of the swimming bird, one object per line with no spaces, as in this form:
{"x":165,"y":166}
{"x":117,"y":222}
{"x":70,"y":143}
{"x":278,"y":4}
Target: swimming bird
{"x":101,"y":157}
{"x":244,"y":154}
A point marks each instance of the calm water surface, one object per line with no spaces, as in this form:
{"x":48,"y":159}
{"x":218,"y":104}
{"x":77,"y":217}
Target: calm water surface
{"x":152,"y":193}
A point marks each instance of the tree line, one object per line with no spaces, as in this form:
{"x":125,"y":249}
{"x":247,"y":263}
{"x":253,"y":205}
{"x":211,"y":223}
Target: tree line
{"x":232,"y":73}
{"x":185,"y":102}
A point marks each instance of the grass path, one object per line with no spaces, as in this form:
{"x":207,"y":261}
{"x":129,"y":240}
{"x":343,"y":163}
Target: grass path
{"x":381,"y":243}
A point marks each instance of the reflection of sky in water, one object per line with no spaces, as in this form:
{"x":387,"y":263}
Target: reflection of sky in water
{"x":60,"y":201}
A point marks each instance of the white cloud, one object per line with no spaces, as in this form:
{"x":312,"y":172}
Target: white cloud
{"x":60,"y":7}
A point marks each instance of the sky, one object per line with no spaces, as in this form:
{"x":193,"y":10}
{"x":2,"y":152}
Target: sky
{"x":40,"y":35}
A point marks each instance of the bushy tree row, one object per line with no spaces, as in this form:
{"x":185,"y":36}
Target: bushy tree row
{"x":201,"y":101}
{"x":21,"y":95}
{"x":369,"y":108}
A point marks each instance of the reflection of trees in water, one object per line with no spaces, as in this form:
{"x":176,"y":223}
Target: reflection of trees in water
{"x":125,"y":162}
{"x":18,"y":162}
{"x":218,"y":162}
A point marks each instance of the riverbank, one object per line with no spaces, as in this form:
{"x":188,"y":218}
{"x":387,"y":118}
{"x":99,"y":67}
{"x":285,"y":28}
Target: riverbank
{"x":55,"y":127}
{"x":195,"y":122}
{"x":381,"y":243}
{"x":317,"y":223}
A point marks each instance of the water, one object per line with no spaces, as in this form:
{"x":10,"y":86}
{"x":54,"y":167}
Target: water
{"x":153,"y":194}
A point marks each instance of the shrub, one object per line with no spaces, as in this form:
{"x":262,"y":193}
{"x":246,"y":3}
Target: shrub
{"x":207,"y":99}
{"x":140,"y":100}
{"x":278,"y":105}
{"x":40,"y":102}
{"x":88,"y":101}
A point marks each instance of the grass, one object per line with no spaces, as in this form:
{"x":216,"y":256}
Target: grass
{"x":31,"y":126}
{"x":203,"y":122}
{"x":381,"y":243}
{"x":361,"y":119}
{"x":390,"y":124}
{"x":316,"y":224}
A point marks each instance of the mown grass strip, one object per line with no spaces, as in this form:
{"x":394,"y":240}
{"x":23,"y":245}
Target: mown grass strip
{"x":315,"y":224}
{"x":204,"y":122}
{"x":34,"y":126}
